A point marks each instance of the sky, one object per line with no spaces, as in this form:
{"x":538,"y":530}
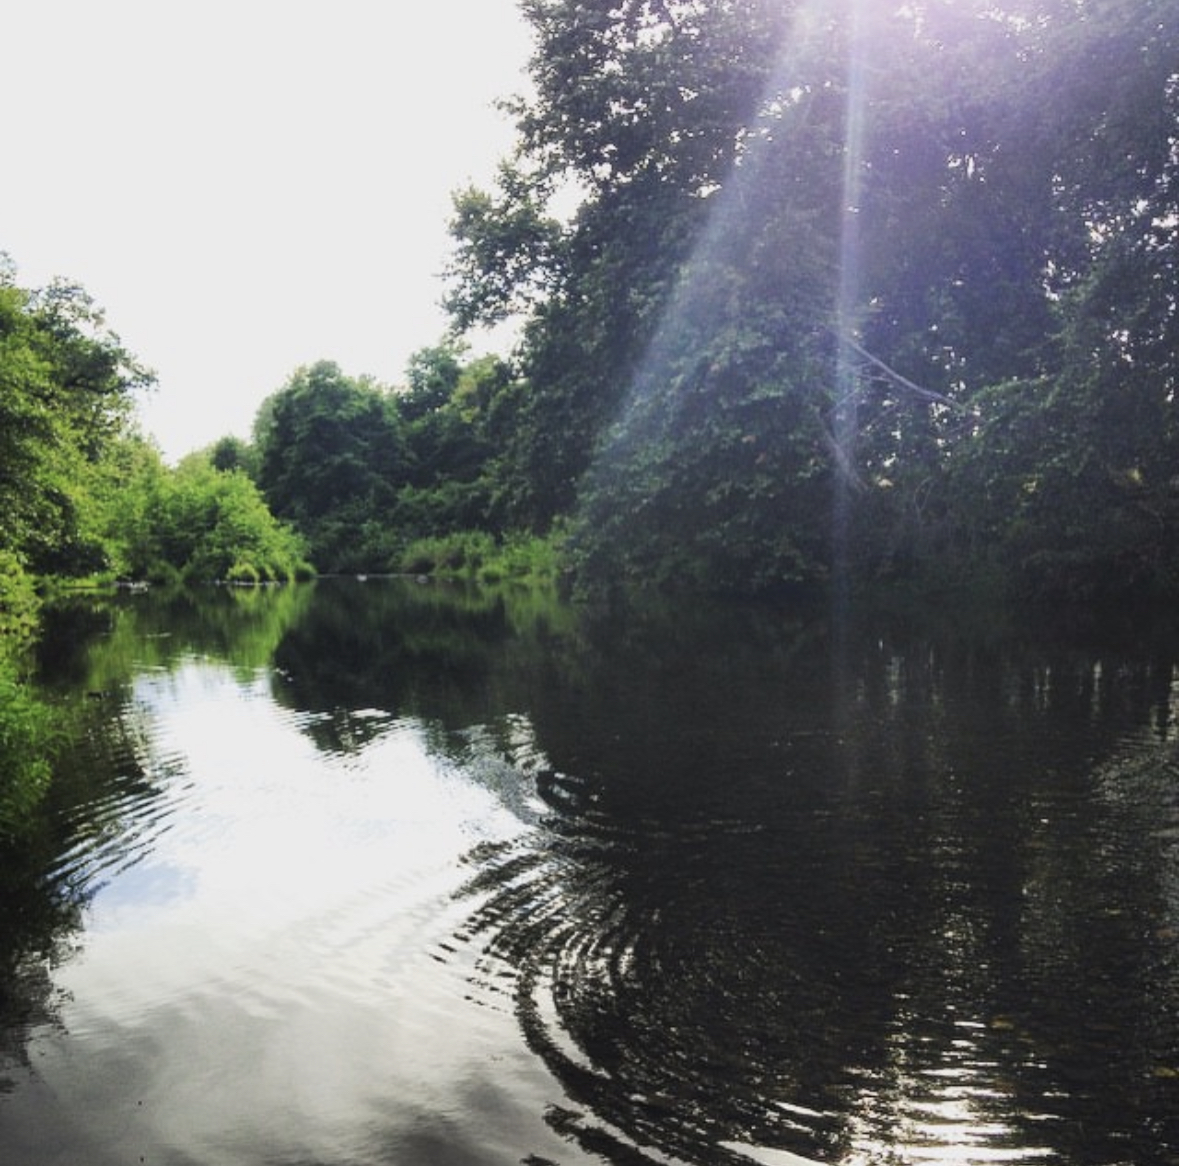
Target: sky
{"x":247,"y":186}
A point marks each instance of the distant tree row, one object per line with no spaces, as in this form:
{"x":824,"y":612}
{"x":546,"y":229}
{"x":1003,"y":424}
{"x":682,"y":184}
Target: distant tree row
{"x":369,"y":474}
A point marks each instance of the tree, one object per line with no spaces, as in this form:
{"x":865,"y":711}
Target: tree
{"x":331,"y":454}
{"x":642,"y":107}
{"x":214,"y":524}
{"x":842,"y":263}
{"x":232,"y":453}
{"x":126,"y":494}
{"x":66,"y":385}
{"x":456,"y":427}
{"x":1069,"y":475}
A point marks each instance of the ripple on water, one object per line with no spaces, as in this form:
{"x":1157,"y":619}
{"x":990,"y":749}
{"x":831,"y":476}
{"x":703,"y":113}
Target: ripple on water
{"x":635,"y":994}
{"x":272,"y":931}
{"x":698,"y":1000}
{"x":225,"y":850}
{"x":295,"y":908}
{"x":137,"y":794}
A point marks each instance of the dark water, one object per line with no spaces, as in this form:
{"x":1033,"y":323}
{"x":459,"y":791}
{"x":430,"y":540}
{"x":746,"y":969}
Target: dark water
{"x":364,"y":873}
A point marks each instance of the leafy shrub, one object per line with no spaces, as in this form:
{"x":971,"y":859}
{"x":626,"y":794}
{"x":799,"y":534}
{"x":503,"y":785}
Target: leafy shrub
{"x":475,"y":553}
{"x":245,"y":574}
{"x":18,"y":599}
{"x":25,"y":743}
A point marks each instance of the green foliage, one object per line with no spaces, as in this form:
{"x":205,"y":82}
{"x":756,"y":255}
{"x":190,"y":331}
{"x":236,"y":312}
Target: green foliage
{"x":25,"y":723}
{"x":19,"y":604}
{"x":232,"y":453}
{"x":533,"y":558}
{"x":475,"y":554}
{"x":331,"y":452}
{"x":361,"y":472}
{"x":507,"y":249}
{"x":65,"y":398}
{"x":26,"y":741}
{"x":453,"y":425}
{"x":432,"y":374}
{"x":126,"y":491}
{"x":889,"y":291}
{"x":192,"y":523}
{"x":213,"y":524}
{"x":642,"y":109}
{"x":443,"y":408}
{"x":462,"y":553}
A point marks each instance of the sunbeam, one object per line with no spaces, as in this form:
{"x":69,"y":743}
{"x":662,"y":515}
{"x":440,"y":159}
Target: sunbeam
{"x":742,"y":353}
{"x":847,"y":306}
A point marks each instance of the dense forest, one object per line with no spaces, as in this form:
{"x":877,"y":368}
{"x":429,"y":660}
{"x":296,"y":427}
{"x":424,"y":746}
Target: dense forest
{"x":879,"y":289}
{"x":804,"y":294}
{"x":855,"y":291}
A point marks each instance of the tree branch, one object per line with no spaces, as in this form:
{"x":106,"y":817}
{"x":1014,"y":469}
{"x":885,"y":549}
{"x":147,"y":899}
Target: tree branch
{"x":897,"y":379}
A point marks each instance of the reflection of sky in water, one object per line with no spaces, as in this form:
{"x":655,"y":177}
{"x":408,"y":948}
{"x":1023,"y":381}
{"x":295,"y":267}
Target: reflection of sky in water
{"x":352,"y":937}
{"x":274,"y":833}
{"x":272,"y":975}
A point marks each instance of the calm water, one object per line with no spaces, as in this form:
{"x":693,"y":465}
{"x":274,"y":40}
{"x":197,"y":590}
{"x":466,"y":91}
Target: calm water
{"x":380,"y":873}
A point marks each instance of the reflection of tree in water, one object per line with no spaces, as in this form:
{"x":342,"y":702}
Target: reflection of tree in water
{"x":111,"y":782}
{"x":449,"y":656}
{"x":390,"y":646}
{"x":100,"y":643}
{"x":840,"y":946}
{"x":36,"y":929}
{"x":101,"y":813}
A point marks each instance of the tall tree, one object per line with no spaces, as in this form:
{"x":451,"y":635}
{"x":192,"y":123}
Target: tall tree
{"x":864,"y":253}
{"x":66,"y":386}
{"x":641,"y":107}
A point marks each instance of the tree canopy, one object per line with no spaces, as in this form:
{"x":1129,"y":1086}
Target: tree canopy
{"x":804,"y":293}
{"x":81,"y":492}
{"x":914,"y":262}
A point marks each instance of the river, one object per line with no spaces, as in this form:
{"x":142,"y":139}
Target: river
{"x":380,"y":872}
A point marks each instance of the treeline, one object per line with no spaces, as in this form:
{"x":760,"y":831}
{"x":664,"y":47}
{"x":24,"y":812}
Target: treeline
{"x":404,"y":479}
{"x":853,"y":291}
{"x":869,"y":292}
{"x":82,"y":493}
{"x":878,"y":290}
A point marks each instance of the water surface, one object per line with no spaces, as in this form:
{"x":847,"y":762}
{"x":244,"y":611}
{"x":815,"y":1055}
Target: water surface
{"x":361,"y":873}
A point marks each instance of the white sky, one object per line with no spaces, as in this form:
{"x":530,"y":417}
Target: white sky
{"x":249,"y":185}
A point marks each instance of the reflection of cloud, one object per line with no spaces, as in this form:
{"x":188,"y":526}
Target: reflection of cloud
{"x":271,"y":980}
{"x":153,"y":885}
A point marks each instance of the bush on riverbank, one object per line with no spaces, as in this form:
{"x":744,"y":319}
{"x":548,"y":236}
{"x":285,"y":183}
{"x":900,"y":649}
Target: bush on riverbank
{"x":475,"y":554}
{"x":26,"y":736}
{"x":25,"y":723}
